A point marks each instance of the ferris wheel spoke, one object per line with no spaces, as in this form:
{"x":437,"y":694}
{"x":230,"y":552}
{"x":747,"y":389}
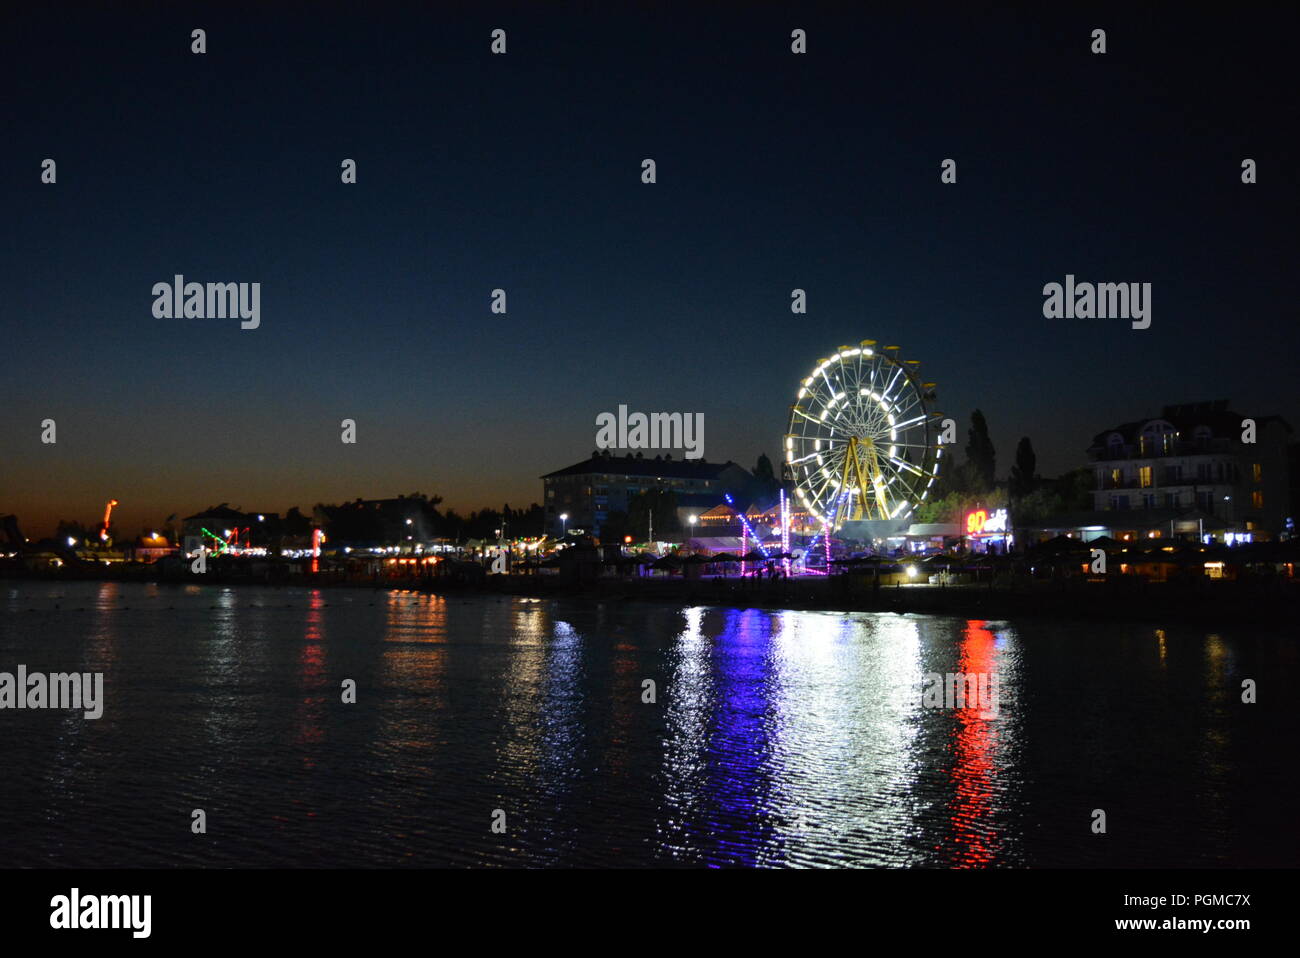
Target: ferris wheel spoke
{"x":910,"y":422}
{"x":816,"y":498}
{"x":812,"y":419}
{"x":890,"y":388}
{"x":904,"y":444}
{"x":905,"y":405}
{"x":903,"y":463}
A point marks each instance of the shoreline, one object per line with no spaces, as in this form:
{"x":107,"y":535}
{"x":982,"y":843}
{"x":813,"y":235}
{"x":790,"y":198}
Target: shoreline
{"x":1219,"y":603}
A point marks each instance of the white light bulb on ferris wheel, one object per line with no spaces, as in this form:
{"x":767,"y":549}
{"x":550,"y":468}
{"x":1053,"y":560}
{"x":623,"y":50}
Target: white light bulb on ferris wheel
{"x":862,"y":441}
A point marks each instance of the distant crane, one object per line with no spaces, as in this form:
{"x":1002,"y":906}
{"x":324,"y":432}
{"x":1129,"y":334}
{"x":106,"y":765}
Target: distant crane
{"x":108,"y":512}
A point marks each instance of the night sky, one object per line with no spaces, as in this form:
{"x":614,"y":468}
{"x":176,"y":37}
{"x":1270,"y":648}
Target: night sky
{"x":522,"y":171}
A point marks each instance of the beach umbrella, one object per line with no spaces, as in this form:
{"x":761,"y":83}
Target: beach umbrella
{"x":1059,"y":544}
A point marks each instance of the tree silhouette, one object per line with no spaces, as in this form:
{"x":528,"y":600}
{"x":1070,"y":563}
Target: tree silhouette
{"x":765,"y":487}
{"x":980,"y":453}
{"x":1022,"y":473}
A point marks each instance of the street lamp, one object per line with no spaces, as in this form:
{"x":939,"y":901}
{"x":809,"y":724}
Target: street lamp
{"x":564,"y":519}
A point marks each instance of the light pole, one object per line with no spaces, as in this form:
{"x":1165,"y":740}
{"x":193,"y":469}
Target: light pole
{"x":564,"y":524}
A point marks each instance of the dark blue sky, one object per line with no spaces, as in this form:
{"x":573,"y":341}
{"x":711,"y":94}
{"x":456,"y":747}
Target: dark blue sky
{"x":523,"y":172}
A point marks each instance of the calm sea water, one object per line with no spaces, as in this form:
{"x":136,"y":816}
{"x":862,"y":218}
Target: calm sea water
{"x":776,"y":738}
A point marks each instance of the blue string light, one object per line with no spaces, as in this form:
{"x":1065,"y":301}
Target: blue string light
{"x":748,"y":528}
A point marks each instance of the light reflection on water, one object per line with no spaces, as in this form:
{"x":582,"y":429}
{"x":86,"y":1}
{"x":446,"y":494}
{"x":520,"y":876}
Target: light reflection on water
{"x":804,"y":738}
{"x":776,"y":738}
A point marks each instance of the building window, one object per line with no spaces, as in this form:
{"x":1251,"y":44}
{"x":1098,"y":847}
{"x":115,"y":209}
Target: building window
{"x":1171,"y":500}
{"x":1203,"y":471}
{"x":1257,"y":471}
{"x":1117,"y":478}
{"x":1119,"y":502}
{"x":1148,"y":500}
{"x":1257,"y":499}
{"x":1144,"y":477}
{"x":1205,"y":502}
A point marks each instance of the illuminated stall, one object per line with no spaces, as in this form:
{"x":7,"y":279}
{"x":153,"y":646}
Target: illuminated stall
{"x":988,"y":530}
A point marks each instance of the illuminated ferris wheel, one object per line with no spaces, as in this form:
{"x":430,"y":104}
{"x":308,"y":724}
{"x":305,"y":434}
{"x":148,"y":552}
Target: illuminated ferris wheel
{"x":863,"y":437}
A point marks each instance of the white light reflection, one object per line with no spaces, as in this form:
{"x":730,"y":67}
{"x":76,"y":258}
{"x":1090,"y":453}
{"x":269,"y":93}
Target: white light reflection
{"x":690,"y":709}
{"x":844,"y":739}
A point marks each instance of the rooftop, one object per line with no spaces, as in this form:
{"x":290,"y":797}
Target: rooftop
{"x":1222,"y":421}
{"x":658,"y":467}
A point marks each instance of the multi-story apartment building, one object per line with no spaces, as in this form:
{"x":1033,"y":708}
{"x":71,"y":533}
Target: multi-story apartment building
{"x":587,"y":492}
{"x":1192,"y":457}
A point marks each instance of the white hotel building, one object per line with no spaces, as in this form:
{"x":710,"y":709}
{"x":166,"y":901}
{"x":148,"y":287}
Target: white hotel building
{"x":1191,"y":457}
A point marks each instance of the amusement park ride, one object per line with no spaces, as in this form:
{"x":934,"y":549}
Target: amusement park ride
{"x":862,"y":447}
{"x":104,"y":526}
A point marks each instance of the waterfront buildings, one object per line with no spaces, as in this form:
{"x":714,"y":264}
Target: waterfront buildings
{"x":1192,"y":458}
{"x":238,"y":529}
{"x":588,"y":492}
{"x":1135,"y":525}
{"x":149,"y":548}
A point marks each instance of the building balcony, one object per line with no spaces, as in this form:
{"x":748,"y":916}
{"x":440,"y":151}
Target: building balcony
{"x":1158,"y":451}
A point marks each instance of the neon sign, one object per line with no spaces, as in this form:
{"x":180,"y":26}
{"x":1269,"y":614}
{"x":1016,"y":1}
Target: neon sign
{"x":980,"y":522}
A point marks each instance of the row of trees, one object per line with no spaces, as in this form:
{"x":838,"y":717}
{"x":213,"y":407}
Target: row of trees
{"x":974,"y":483}
{"x":358,"y":522}
{"x":529,"y":523}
